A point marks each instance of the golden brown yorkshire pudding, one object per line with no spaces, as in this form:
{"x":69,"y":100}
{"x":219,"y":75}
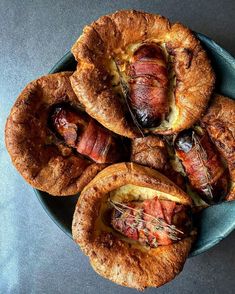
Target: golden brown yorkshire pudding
{"x":149,"y":151}
{"x":141,"y":62}
{"x":220,"y":124}
{"x":121,"y":251}
{"x":56,"y":159}
{"x":154,"y":151}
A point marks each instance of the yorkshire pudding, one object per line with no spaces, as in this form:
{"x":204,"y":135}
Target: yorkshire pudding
{"x":137,"y":72}
{"x":114,"y":249}
{"x":220,"y":124}
{"x":55,"y":158}
{"x":149,"y":151}
{"x":154,"y":151}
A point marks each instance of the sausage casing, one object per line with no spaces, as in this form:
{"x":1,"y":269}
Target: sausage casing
{"x":86,"y":135}
{"x":203,"y":165}
{"x":148,"y":85}
{"x":149,"y":222}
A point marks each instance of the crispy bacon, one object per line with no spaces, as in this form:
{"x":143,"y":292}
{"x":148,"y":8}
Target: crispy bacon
{"x":148,"y":84}
{"x":168,"y":210}
{"x":203,"y":165}
{"x":95,"y":142}
{"x":86,"y":135}
{"x":150,"y":222}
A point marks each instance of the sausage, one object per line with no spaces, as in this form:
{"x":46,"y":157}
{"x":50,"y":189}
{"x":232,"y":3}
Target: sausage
{"x":152,"y":222}
{"x":86,"y":135}
{"x":148,"y":85}
{"x":68,"y":123}
{"x":203,"y":165}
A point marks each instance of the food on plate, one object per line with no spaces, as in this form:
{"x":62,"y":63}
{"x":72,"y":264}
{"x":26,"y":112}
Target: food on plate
{"x":148,"y":84}
{"x":152,"y":222}
{"x":87,"y":136}
{"x":220,"y":124}
{"x":153,"y":85}
{"x":153,"y":151}
{"x":156,"y":79}
{"x":203,"y":165}
{"x":135,"y":225}
{"x":150,"y":151}
{"x":46,"y":161}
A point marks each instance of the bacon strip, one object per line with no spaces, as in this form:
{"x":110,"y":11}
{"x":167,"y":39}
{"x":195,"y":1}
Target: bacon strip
{"x":148,"y":84}
{"x":153,"y":207}
{"x":87,"y":136}
{"x":87,"y":140}
{"x":94,"y":142}
{"x":137,"y":221}
{"x":204,"y":168}
{"x":151,"y":68}
{"x":168,"y":210}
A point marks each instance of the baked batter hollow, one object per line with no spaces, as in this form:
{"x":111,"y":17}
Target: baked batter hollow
{"x":111,"y":256}
{"x":109,"y":43}
{"x":39,"y":156}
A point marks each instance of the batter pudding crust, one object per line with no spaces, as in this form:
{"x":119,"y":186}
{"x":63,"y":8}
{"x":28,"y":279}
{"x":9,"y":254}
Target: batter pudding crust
{"x":220,"y":124}
{"x":114,"y":258}
{"x":37,"y":154}
{"x":110,"y":38}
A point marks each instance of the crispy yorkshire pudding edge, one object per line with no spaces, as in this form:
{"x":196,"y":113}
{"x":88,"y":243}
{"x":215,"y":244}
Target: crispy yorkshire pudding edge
{"x":111,"y":256}
{"x":110,"y":42}
{"x":220,"y":124}
{"x":37,"y":154}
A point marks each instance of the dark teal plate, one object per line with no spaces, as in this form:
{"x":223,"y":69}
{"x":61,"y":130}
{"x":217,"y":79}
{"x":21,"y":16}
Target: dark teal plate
{"x":214,"y":223}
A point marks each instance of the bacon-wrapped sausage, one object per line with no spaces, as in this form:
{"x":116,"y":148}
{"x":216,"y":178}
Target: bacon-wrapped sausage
{"x":204,"y":168}
{"x":152,"y":222}
{"x":148,"y":84}
{"x":86,"y":135}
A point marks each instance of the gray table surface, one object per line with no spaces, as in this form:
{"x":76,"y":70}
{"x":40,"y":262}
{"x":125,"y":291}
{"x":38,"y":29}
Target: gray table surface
{"x":35,"y":255}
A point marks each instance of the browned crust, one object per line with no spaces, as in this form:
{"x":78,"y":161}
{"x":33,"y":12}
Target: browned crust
{"x":150,"y":151}
{"x":121,"y":174}
{"x":220,"y":124}
{"x":42,"y":164}
{"x":110,"y":35}
{"x":113,"y":258}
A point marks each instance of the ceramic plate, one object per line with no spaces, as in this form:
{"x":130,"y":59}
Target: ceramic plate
{"x":214,"y":223}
